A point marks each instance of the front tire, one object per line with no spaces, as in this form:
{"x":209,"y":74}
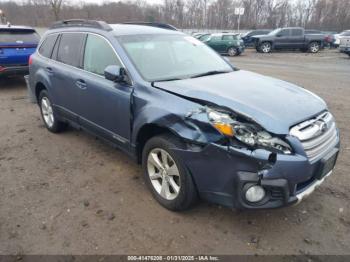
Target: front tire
{"x":314,"y":47}
{"x":166,"y":175}
{"x":265,"y":47}
{"x":48,"y":114}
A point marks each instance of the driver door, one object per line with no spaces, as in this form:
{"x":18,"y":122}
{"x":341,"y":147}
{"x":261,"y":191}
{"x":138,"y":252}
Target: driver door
{"x":283,"y":39}
{"x":104,"y":105}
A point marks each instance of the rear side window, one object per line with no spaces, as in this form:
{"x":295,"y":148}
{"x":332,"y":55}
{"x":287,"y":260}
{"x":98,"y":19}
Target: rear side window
{"x":98,"y":55}
{"x":70,"y":48}
{"x":297,"y":32}
{"x":228,"y":37}
{"x":19,"y":37}
{"x":47,"y":46}
{"x":284,"y":32}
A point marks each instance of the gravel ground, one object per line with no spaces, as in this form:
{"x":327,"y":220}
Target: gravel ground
{"x":72,"y":194}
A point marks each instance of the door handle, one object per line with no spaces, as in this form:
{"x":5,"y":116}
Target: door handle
{"x":81,"y":84}
{"x":49,"y":70}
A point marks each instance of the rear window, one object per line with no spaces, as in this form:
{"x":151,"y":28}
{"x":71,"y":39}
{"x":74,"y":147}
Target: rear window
{"x":47,"y":46}
{"x":19,"y":37}
{"x":70,"y":48}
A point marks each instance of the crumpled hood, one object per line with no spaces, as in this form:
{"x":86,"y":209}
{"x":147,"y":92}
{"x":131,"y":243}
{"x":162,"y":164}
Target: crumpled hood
{"x":274,"y":104}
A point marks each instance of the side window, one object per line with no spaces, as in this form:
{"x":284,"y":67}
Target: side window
{"x":216,"y":38}
{"x":98,"y":55}
{"x":297,"y":32}
{"x":69,"y":51}
{"x":227,"y":37}
{"x":284,"y":32}
{"x":47,"y":46}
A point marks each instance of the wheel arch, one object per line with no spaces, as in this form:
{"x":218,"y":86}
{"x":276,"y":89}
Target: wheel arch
{"x":145,"y":133}
{"x":38,"y":88}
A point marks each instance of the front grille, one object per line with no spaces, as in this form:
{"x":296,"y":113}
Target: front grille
{"x":317,"y":135}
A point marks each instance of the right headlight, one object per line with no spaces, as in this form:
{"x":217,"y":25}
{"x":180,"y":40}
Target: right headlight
{"x":247,"y":133}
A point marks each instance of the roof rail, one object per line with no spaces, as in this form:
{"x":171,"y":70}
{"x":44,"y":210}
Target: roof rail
{"x":82,"y":23}
{"x":154,"y":24}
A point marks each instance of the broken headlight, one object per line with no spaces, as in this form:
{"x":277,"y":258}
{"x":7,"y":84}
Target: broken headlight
{"x":247,"y":133}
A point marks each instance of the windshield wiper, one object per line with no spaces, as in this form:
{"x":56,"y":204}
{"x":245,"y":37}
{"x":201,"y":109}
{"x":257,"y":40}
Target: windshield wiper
{"x":209,"y":73}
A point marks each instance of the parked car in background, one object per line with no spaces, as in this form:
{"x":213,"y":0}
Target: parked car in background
{"x":289,"y":38}
{"x":248,"y":37}
{"x":204,"y":37}
{"x":344,"y":46}
{"x":330,"y":39}
{"x":17,"y":43}
{"x":339,"y":36}
{"x":226,"y":43}
{"x":200,"y":127}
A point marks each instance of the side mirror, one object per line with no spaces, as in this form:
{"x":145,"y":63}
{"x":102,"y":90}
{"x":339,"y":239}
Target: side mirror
{"x":115,"y":73}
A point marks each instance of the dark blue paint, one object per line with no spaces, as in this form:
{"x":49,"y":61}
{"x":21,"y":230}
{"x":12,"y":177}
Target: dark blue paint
{"x":119,"y":112}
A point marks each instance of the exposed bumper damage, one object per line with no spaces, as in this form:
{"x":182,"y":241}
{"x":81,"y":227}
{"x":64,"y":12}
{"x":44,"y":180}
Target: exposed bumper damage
{"x":222,"y":175}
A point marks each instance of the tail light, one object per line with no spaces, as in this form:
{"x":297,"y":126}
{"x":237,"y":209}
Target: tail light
{"x":30,"y":60}
{"x":2,"y":68}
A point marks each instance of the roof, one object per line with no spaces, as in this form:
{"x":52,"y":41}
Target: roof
{"x":127,"y":29}
{"x":116,"y":29}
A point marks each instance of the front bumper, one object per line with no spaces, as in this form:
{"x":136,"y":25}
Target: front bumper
{"x":14,"y":70}
{"x":222,"y":174}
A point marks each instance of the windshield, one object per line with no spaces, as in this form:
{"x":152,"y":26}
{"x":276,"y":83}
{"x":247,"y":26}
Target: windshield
{"x":274,"y":32}
{"x":171,"y":57}
{"x":18,"y":37}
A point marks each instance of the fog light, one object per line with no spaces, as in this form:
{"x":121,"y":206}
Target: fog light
{"x":255,"y":194}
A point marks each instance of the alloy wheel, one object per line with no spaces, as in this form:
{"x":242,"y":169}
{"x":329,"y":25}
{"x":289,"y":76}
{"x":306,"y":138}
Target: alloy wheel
{"x":47,"y":112}
{"x":232,"y":51}
{"x":266,"y":48}
{"x":314,"y":48}
{"x":163,"y":173}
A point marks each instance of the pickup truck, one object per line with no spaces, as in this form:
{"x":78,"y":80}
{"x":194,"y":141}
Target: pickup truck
{"x":289,"y":38}
{"x":344,"y":46}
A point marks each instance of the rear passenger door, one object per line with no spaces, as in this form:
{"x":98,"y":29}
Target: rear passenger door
{"x":296,"y":38}
{"x":104,"y":105}
{"x":66,"y":74}
{"x":227,"y":41}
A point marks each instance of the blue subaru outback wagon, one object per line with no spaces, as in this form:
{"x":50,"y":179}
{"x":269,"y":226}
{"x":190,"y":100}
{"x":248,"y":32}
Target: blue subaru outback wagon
{"x":17,"y":43}
{"x":200,"y":127}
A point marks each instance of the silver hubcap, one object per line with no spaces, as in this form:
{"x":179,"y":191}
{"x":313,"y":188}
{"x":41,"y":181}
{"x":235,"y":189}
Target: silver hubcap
{"x":232,"y":52}
{"x":266,"y":48}
{"x":163,"y":173}
{"x":46,"y":109}
{"x":314,"y":48}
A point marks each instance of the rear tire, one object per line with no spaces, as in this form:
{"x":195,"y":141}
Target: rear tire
{"x":48,"y":114}
{"x":166,"y":175}
{"x":232,"y":51}
{"x":314,"y":47}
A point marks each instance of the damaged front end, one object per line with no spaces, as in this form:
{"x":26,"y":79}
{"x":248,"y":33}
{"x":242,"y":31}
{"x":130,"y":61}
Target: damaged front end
{"x":245,"y":166}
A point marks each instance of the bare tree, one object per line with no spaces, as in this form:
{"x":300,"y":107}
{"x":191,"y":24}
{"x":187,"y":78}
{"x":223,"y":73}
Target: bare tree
{"x":195,"y":14}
